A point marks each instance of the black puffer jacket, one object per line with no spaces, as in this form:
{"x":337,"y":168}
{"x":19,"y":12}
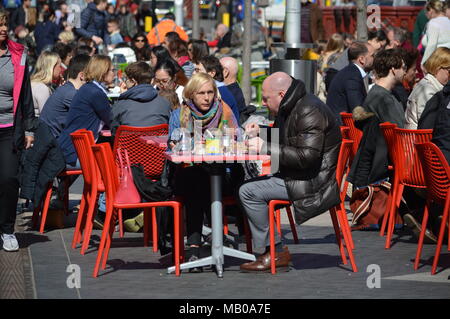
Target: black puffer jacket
{"x":309,"y":147}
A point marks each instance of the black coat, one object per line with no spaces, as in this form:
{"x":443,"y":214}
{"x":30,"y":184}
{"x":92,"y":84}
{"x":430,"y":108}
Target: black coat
{"x":433,"y":107}
{"x":370,"y":164}
{"x":346,"y":91}
{"x":441,"y":132}
{"x":309,"y":146}
{"x":40,"y":164}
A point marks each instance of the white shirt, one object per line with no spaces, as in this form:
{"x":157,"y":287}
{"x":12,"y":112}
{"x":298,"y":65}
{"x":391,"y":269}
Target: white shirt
{"x":437,"y":35}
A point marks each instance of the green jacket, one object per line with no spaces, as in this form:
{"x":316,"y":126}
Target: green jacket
{"x":419,"y":26}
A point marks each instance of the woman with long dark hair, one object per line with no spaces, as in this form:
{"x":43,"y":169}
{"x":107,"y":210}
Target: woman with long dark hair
{"x":16,"y":125}
{"x":141,"y":47}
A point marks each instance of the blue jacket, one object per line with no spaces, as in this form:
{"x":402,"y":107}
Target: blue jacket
{"x":228,"y":98}
{"x":56,"y":109}
{"x":90,"y":106}
{"x":93,"y":22}
{"x":45,"y":34}
{"x":346,"y":91}
{"x":140,"y":106}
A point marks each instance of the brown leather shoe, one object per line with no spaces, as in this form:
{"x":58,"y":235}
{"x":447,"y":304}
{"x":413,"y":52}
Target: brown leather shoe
{"x":262,"y":263}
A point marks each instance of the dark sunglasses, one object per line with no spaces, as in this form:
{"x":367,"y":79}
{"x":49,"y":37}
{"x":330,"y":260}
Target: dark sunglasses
{"x":139,"y":40}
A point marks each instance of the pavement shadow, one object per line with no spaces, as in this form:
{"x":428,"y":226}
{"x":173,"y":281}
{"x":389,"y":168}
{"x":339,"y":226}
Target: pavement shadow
{"x":27,"y":239}
{"x":119,"y":264}
{"x":443,"y":263}
{"x":303,"y":261}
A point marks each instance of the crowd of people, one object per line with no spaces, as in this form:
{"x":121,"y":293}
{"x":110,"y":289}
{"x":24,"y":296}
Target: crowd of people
{"x":58,"y":79}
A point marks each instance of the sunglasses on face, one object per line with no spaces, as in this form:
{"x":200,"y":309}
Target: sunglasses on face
{"x":139,"y":40}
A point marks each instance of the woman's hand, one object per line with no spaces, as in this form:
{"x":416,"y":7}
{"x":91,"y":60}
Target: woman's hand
{"x":252,"y":129}
{"x":29,"y":141}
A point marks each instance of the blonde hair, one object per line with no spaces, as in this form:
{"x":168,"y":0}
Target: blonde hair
{"x":440,"y":59}
{"x":66,"y":36}
{"x":437,"y":5}
{"x":195,"y":83}
{"x":4,"y":16}
{"x":335,"y":43}
{"x":44,"y":67}
{"x":97,"y":68}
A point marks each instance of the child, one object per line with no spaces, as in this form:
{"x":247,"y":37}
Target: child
{"x":114,"y":33}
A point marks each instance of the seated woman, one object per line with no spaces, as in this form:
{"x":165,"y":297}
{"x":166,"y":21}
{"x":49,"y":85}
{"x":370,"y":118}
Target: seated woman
{"x":438,"y":66}
{"x":165,"y":77}
{"x":201,"y":102}
{"x":139,"y":104}
{"x":48,"y":70}
{"x":90,"y":108}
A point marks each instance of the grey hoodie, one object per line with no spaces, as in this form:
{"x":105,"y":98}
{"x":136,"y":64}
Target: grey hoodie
{"x":140,"y":106}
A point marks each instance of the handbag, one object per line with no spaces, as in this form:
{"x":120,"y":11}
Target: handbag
{"x":127,"y":192}
{"x":369,"y":205}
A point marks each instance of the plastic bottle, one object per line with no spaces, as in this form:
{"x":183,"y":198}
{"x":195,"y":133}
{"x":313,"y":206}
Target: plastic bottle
{"x":186,"y":143}
{"x":226,"y":138}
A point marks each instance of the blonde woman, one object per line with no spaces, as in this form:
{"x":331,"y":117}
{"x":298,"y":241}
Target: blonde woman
{"x":437,"y":30}
{"x":438,"y":66}
{"x":48,"y":69}
{"x":333,"y":50}
{"x":90,"y":108}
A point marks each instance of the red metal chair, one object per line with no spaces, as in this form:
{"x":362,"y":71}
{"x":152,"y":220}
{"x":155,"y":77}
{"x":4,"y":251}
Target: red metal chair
{"x":338,"y":216}
{"x":437,"y":177}
{"x":151,"y":157}
{"x":408,"y":169}
{"x":93,"y":185}
{"x":45,"y":203}
{"x":127,"y":138}
{"x":108,"y":170}
{"x":355,"y":134}
{"x":388,"y":130}
{"x":345,"y":132}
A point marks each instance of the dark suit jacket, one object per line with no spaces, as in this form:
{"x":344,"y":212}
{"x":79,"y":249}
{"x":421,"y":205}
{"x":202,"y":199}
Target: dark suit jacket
{"x":346,"y":91}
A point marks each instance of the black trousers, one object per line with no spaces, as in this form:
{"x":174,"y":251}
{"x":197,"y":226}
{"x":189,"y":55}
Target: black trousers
{"x":193,"y":183}
{"x":9,"y":183}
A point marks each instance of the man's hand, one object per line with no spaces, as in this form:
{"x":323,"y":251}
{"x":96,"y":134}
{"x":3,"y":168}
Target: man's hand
{"x":29,"y":141}
{"x":255,"y":145}
{"x":123,"y":87}
{"x":97,"y":39}
{"x":252,"y":129}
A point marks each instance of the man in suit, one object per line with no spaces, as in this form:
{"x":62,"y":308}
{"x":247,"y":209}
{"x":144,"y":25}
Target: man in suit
{"x":349,"y":87}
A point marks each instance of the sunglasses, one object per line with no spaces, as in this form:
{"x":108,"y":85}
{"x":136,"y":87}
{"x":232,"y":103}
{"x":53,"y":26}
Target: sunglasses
{"x":139,"y":40}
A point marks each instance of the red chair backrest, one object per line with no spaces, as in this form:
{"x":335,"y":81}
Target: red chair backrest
{"x":436,"y":171}
{"x":151,"y":157}
{"x":83,"y":140}
{"x":408,"y":166}
{"x":108,"y":169}
{"x":345,"y":132}
{"x":387,"y":129}
{"x":343,"y":163}
{"x":355,"y":134}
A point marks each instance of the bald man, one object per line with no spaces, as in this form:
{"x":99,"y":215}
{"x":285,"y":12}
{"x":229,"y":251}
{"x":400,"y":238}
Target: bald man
{"x":307,"y":152}
{"x":230,"y":71}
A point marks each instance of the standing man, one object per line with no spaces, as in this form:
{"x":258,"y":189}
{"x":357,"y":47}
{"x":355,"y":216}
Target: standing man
{"x":230,"y":71}
{"x":349,"y":86}
{"x":24,"y":15}
{"x":307,"y":152}
{"x":93,"y":22}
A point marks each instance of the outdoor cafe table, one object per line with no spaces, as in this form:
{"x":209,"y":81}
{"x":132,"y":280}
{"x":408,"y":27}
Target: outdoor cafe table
{"x":216,"y":163}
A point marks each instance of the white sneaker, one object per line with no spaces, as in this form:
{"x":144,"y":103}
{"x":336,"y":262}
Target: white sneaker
{"x":10,"y":242}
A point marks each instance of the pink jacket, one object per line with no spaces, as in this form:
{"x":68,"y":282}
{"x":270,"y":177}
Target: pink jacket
{"x":18,"y":57}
